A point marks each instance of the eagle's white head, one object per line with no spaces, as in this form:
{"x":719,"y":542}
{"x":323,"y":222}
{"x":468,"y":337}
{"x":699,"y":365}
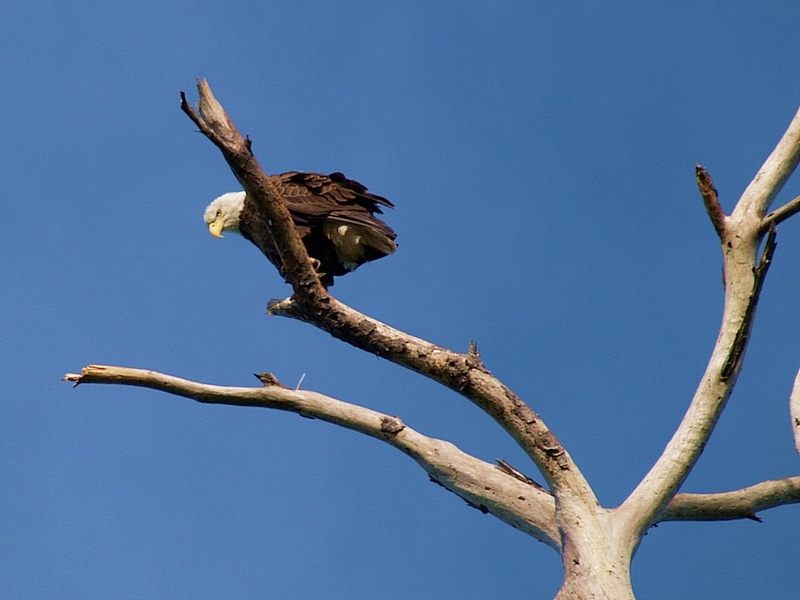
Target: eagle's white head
{"x":223,"y":213}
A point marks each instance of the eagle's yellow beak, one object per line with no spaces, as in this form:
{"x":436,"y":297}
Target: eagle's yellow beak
{"x":215,"y":227}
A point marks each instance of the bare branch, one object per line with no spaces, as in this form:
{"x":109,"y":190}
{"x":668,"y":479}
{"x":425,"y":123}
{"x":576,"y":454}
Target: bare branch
{"x":744,"y":280}
{"x":739,"y":504}
{"x":789,"y":209}
{"x":518,"y":503}
{"x":463,"y":373}
{"x":794,"y":411}
{"x":711,"y":200}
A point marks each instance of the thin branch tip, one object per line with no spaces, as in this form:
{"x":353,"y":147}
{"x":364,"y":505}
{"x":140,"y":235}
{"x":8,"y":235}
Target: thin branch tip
{"x":779,"y":215}
{"x":711,"y":200}
{"x":78,"y":378}
{"x":754,"y":517}
{"x":73,"y":377}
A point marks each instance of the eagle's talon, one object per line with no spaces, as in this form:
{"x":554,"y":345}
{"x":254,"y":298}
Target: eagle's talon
{"x":317,"y":264}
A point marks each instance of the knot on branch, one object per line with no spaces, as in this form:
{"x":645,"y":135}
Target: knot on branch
{"x":474,"y":357}
{"x":392,"y":425}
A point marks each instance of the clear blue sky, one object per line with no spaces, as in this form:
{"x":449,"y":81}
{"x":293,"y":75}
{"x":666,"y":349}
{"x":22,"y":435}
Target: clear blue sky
{"x":541,"y":159}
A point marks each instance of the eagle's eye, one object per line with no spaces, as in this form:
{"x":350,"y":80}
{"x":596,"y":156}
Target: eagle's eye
{"x":219,"y":212}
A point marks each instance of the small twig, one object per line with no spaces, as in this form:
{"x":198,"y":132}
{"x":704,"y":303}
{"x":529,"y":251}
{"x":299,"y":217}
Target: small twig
{"x":267,"y":379}
{"x":711,"y":200}
{"x":299,"y":383}
{"x":474,"y":356}
{"x":507,"y":468}
{"x":779,"y":215}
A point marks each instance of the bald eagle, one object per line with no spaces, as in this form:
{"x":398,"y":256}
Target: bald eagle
{"x":334,"y":215}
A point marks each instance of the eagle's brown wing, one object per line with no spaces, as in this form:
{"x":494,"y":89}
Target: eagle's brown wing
{"x":335,"y":218}
{"x":317,"y":194}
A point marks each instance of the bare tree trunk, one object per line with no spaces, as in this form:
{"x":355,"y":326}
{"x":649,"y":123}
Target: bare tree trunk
{"x":596,"y":564}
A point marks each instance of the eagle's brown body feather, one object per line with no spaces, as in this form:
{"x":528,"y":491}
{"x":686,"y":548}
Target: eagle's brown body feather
{"x":335,"y":218}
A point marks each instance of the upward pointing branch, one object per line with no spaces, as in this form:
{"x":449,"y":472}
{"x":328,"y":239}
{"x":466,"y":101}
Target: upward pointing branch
{"x":769,"y":180}
{"x":214,"y":122}
{"x":740,"y":235}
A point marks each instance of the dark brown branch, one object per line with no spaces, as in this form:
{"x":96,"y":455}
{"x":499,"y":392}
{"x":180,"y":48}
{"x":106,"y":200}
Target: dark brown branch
{"x":711,"y":200}
{"x":739,"y":504}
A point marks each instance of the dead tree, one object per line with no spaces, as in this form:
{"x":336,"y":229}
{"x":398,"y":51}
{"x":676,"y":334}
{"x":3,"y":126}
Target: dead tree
{"x":596,"y":543}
